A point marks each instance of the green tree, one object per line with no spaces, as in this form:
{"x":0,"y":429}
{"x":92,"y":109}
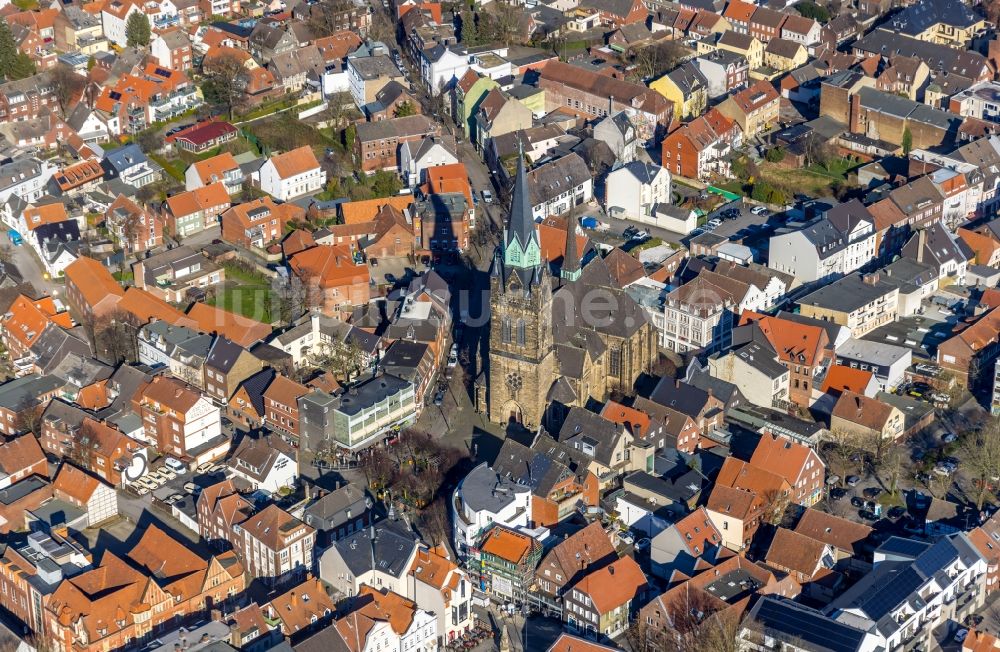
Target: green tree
{"x":810,"y":9}
{"x":350,"y":135}
{"x":385,"y":184}
{"x":907,"y":141}
{"x":137,"y":30}
{"x":404,"y":109}
{"x":14,"y":64}
{"x":470,"y":32}
{"x":775,"y":155}
{"x":226,"y":81}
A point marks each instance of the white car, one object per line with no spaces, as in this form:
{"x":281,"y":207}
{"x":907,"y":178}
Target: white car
{"x":487,"y":196}
{"x":715,"y":223}
{"x":141,"y":489}
{"x":167,"y":473}
{"x":175,"y":465}
{"x":759,"y":210}
{"x":204,"y":468}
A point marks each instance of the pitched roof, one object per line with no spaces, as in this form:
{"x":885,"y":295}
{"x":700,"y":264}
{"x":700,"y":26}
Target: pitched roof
{"x":300,"y":605}
{"x":842,"y":377}
{"x":613,"y":585}
{"x":782,"y":457}
{"x":858,"y":408}
{"x":838,"y":532}
{"x":796,"y":552}
{"x":214,"y":168}
{"x":75,"y":483}
{"x":748,"y":477}
{"x":242,"y":330}
{"x":508,"y":544}
{"x":19,"y":454}
{"x":329,"y":265}
{"x":355,"y":212}
{"x":793,"y":341}
{"x":295,"y":162}
{"x":93,"y":280}
{"x":756,"y":96}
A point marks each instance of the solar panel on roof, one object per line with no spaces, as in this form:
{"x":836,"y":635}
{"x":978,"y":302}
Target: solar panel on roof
{"x":892,"y":594}
{"x":163,"y":72}
{"x":808,"y":626}
{"x":936,"y":558}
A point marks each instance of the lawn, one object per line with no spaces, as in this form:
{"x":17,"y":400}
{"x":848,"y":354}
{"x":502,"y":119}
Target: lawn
{"x":173,"y":167}
{"x":253,"y":301}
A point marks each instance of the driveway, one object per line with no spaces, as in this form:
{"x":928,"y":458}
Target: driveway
{"x":30,"y":266}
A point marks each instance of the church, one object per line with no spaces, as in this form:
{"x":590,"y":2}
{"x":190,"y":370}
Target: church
{"x":557,"y":341}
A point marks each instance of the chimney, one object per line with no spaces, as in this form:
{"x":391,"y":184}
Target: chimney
{"x":295,"y":599}
{"x":870,"y":279}
{"x":314,"y":321}
{"x":677,"y":383}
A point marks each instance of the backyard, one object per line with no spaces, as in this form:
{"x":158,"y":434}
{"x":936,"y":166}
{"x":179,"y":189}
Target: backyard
{"x":814,"y":180}
{"x":246,"y":292}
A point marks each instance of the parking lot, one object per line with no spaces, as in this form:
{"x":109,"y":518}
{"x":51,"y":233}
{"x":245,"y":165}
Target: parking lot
{"x":168,"y":486}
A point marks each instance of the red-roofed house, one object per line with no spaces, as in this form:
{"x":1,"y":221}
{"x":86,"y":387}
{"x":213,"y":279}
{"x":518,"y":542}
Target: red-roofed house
{"x":20,"y":458}
{"x":204,"y":136}
{"x":91,"y":291}
{"x":799,"y":465}
{"x":700,"y":148}
{"x":602,"y":600}
{"x":332,"y":270}
{"x":754,"y":109}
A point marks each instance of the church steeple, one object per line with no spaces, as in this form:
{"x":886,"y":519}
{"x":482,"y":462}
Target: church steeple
{"x":521,"y":247}
{"x":570,"y":269}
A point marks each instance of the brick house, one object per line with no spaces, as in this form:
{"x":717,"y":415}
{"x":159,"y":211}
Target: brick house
{"x":867,"y":417}
{"x":135,"y":228}
{"x":700,"y":149}
{"x":742,"y":497}
{"x":22,"y":398}
{"x":91,"y":291}
{"x":22,"y":325}
{"x":20,"y":458}
{"x":332,"y":270}
{"x":376,"y":146}
{"x":28,"y":98}
{"x":258,"y":223}
{"x":162,"y":580}
{"x":281,"y":405}
{"x":176,"y":416}
{"x":970,"y":353}
{"x":799,"y":465}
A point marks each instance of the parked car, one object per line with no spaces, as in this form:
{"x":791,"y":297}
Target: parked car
{"x":837,"y":493}
{"x":759,"y":210}
{"x":871,"y":492}
{"x":715,"y":223}
{"x":626,"y":538}
{"x":487,"y":196}
{"x":896,"y":512}
{"x":439,"y":398}
{"x":640,"y":235}
{"x":867,"y":515}
{"x":204,"y":468}
{"x":176,"y":465}
{"x":852,"y":480}
{"x":142,"y":490}
{"x":856,"y":501}
{"x":192,"y":488}
{"x":950,"y":437}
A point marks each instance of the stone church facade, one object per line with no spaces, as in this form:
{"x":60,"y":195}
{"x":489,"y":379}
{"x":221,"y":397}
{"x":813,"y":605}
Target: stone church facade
{"x":557,"y":342}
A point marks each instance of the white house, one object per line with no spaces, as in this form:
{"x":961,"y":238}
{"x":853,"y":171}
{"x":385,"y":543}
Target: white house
{"x":620,"y":135}
{"x":556,"y":186}
{"x":25,"y":178}
{"x":417,"y":156}
{"x":633,"y":191}
{"x":440,"y":64}
{"x":838,"y":243}
{"x":114,"y":17}
{"x":442,"y":587}
{"x":484,"y":498}
{"x":347,"y":564}
{"x":292,"y":174}
{"x":266,"y":463}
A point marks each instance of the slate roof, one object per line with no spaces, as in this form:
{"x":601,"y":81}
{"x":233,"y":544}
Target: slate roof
{"x":391,"y":548}
{"x":797,"y":624}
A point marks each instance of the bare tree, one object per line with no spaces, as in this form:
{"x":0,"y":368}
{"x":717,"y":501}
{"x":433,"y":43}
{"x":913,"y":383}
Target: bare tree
{"x":226,"y":82}
{"x":981,"y":456}
{"x":327,"y":16}
{"x":656,"y":59}
{"x":66,"y":84}
{"x":500,"y":21}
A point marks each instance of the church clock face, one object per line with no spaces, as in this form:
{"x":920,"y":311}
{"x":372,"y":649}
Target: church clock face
{"x":514,"y":381}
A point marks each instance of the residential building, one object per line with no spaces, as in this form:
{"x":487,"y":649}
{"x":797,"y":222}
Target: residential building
{"x":258,"y":223}
{"x":861,"y":416}
{"x":27,"y":99}
{"x":970,"y":353}
{"x":555,"y":187}
{"x":724,"y":71}
{"x":25,"y":178}
{"x":686,"y":87}
{"x":483,"y":498}
{"x":180,"y":349}
{"x":97,"y":499}
{"x":798,"y":627}
{"x":797,"y":464}
{"x":950,"y":573}
{"x":174,"y":275}
{"x":226,"y":366}
{"x":754,"y":109}
{"x":742,"y":497}
{"x":565,"y":564}
{"x":498,"y":114}
{"x":340,"y":513}
{"x":187,"y":584}
{"x":377,"y":143}
{"x":133,"y":227}
{"x":203,"y":136}
{"x":685,"y":546}
{"x":177,"y":418}
{"x":347,"y":565}
{"x":274,"y":545}
{"x":858,"y":302}
{"x":508,"y":559}
{"x":21,"y":458}
{"x":22,"y":396}
{"x":291,"y":174}
{"x":333,"y":276}
{"x":444,"y":589}
{"x":369,"y":75}
{"x":281,"y":407}
{"x":618,"y":132}
{"x":887,"y":362}
{"x":130,"y":164}
{"x":220,"y":168}
{"x":602,"y":601}
{"x":841,"y":241}
{"x":701,"y":148}
{"x":637,"y":188}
